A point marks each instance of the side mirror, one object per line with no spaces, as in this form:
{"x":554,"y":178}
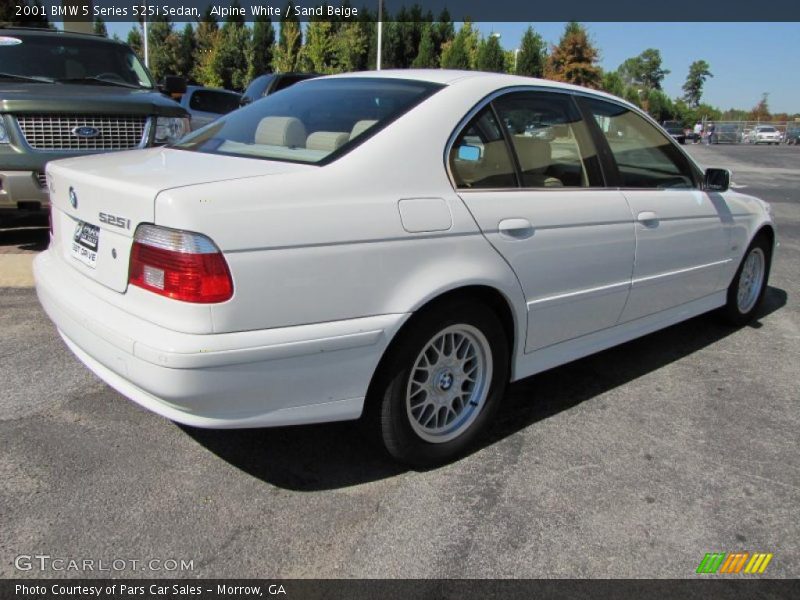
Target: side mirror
{"x":173,"y":85}
{"x":245,"y":100}
{"x":469,"y":153}
{"x":717,"y":180}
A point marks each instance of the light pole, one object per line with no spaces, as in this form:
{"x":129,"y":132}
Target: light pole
{"x":146,"y":51}
{"x":380,"y":32}
{"x":516,"y":57}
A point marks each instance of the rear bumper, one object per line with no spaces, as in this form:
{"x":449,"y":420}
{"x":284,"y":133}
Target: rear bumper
{"x":285,"y":376}
{"x":21,"y":187}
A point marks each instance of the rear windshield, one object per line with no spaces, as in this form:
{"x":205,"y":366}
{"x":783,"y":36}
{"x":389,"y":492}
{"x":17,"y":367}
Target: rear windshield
{"x":313,"y":122}
{"x":55,"y":57}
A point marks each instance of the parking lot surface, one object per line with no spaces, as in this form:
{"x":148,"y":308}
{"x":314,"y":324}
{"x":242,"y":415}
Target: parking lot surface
{"x":631,"y":463}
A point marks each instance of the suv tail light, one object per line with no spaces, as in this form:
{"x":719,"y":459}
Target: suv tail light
{"x":179,"y":264}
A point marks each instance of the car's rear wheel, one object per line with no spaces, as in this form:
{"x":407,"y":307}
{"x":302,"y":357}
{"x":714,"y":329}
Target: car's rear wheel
{"x":440,"y":383}
{"x":748,"y":287}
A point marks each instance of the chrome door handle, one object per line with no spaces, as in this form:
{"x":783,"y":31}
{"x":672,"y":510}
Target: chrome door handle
{"x":515,"y":229}
{"x":648,"y":218}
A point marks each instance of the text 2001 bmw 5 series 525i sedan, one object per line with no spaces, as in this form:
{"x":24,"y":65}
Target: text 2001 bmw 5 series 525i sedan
{"x":394,"y":246}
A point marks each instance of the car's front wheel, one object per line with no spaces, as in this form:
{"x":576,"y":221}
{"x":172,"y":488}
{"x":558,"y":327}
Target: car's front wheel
{"x":748,"y":287}
{"x":440,"y":383}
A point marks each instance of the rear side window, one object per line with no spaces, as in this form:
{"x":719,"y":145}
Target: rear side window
{"x":551,"y":142}
{"x":479,"y":157}
{"x":645,"y":157}
{"x":313,"y":123}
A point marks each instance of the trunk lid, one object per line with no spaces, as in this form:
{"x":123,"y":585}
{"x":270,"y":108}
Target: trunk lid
{"x":98,"y":201}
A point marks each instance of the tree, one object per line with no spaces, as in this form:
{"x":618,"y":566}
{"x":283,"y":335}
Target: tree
{"x":318,"y":50}
{"x":613,"y":84}
{"x":134,"y":40}
{"x":349,"y":47}
{"x":162,"y":48}
{"x":426,"y":53}
{"x":205,"y":40}
{"x":263,"y":42}
{"x":574,"y":59}
{"x":490,"y":56}
{"x":229,"y":64}
{"x":760,"y":111}
{"x":443,"y":32}
{"x":37,"y":18}
{"x":99,"y":27}
{"x":458,"y":53}
{"x":693,"y":88}
{"x":532,"y":54}
{"x":185,"y":52}
{"x":290,"y":41}
{"x":644,"y":71}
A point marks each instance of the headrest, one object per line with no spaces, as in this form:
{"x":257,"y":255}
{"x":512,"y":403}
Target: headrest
{"x":281,"y":131}
{"x":327,"y":140}
{"x":534,"y":154}
{"x":360,"y":127}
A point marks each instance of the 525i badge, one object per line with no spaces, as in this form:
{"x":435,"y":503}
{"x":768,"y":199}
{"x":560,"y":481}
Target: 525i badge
{"x":115,"y":221}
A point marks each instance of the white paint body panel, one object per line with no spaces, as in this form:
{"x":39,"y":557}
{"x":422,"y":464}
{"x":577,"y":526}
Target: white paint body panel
{"x":329,"y":262}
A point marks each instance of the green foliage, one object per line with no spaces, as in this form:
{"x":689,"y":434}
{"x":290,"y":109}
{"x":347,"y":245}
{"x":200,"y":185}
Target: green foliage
{"x":205,"y":40}
{"x":532,"y":54}
{"x":613,"y":83}
{"x":99,"y":27}
{"x":8,"y":16}
{"x":426,"y":54}
{"x":286,"y":57}
{"x":644,"y":71}
{"x":134,"y":40}
{"x":349,"y":48}
{"x":574,"y":59}
{"x":162,"y":48}
{"x":318,"y":50}
{"x":263,"y":41}
{"x":490,"y":56}
{"x":693,"y":88}
{"x":229,"y":65}
{"x":185,"y":52}
{"x":459,"y":53}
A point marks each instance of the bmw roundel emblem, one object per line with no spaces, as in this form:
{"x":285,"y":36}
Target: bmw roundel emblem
{"x":73,"y":198}
{"x":86,"y":131}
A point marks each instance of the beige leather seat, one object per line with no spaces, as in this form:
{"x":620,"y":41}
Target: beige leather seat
{"x":327,"y":140}
{"x":281,"y":131}
{"x":360,"y":127}
{"x":535,"y":157}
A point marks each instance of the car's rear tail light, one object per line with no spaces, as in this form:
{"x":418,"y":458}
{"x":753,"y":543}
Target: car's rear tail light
{"x":179,"y":264}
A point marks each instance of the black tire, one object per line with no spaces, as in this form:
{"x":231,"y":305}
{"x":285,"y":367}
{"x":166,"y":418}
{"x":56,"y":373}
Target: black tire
{"x":732,"y":311}
{"x":390,"y":409}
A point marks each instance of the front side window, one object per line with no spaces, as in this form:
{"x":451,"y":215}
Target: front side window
{"x":479,"y":158}
{"x":312,"y":122}
{"x":645,"y":157}
{"x":551,"y":142}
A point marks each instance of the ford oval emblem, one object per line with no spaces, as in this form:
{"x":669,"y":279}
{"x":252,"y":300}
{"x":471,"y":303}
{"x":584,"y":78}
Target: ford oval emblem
{"x":73,"y":198}
{"x":86,"y":132}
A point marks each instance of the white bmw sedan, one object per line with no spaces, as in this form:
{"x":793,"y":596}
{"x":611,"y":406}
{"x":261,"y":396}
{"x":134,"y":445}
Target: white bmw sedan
{"x":392,"y":246}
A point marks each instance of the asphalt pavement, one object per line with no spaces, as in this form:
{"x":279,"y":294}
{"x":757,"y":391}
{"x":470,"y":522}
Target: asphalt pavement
{"x":631,"y":463}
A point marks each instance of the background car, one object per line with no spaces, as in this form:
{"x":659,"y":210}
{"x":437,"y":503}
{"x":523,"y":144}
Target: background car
{"x":65,"y":94}
{"x":792,"y":136}
{"x":726,"y":133}
{"x":270,"y":83}
{"x":765,"y":134}
{"x":676,"y":130}
{"x":208,"y":104}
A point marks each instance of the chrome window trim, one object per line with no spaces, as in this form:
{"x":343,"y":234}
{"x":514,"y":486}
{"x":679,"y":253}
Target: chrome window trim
{"x":573,"y":93}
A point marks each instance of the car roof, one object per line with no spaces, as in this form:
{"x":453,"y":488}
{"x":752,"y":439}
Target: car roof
{"x":491,"y":80}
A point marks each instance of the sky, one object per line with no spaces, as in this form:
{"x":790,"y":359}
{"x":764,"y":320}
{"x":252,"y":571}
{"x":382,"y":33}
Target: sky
{"x":746,"y":59}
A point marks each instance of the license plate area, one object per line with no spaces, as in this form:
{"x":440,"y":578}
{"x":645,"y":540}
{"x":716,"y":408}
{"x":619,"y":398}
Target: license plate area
{"x":85,"y":242}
